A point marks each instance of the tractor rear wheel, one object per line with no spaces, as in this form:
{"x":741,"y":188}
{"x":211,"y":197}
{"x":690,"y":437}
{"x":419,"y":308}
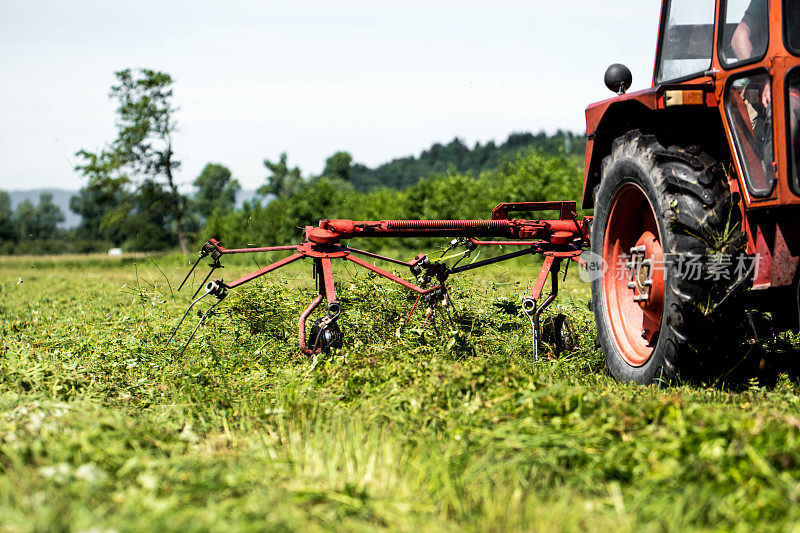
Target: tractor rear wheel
{"x":656,"y":210}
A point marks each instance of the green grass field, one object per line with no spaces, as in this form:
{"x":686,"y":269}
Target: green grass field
{"x":104,"y":429}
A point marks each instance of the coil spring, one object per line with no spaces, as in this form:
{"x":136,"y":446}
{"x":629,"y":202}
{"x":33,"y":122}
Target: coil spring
{"x":447,"y":224}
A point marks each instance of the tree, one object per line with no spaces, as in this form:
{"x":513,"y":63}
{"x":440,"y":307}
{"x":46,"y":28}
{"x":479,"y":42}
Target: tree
{"x":48,"y":216}
{"x":283,"y":182}
{"x":216,"y":190}
{"x":24,"y":221}
{"x":6,"y":220}
{"x":145,"y":127}
{"x":144,"y":228}
{"x":105,"y":200}
{"x":338,"y":166}
{"x":40,"y":222}
{"x":143,"y":150}
{"x":101,"y":204}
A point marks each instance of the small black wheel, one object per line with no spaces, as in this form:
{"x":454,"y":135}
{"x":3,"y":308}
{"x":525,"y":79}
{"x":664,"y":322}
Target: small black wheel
{"x":559,"y":333}
{"x":325,"y":339}
{"x":655,"y":209}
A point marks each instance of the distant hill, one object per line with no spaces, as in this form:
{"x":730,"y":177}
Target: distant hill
{"x":404,"y":172}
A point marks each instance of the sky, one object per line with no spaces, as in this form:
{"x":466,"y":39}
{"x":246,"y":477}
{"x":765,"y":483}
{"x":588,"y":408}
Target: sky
{"x":256,"y":78}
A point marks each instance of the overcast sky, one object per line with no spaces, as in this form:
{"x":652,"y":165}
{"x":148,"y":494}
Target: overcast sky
{"x":257,"y":78}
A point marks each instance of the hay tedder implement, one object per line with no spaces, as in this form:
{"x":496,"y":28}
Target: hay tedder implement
{"x":558,"y":240}
{"x":695,"y":186}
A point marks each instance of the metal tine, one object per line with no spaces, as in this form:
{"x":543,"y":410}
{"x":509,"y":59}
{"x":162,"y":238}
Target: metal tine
{"x":190,"y":273}
{"x":453,"y":244}
{"x":183,"y":318}
{"x":213,"y":267}
{"x":449,"y":317}
{"x":318,"y":341}
{"x":200,"y":323}
{"x":451,"y":304}
{"x":464,"y":255}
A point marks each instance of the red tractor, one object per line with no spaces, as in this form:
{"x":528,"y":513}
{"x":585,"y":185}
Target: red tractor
{"x":696,"y":189}
{"x":696,"y":192}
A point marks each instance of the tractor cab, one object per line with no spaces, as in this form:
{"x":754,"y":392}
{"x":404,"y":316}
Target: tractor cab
{"x":741,"y":56}
{"x":752,"y":72}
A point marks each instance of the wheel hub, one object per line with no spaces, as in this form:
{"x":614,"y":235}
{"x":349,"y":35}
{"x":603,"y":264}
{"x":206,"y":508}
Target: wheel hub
{"x":641,"y":273}
{"x":643,"y":266}
{"x":644,"y":261}
{"x":634,"y":293}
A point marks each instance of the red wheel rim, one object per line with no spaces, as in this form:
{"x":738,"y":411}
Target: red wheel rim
{"x":633,"y":283}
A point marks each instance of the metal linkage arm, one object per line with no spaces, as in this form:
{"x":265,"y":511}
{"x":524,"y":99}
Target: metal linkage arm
{"x":301,"y":327}
{"x":409,"y":264}
{"x":567,"y":229}
{"x":269,"y":268}
{"x":555,"y":231}
{"x":493,"y":260}
{"x":224,"y":251}
{"x":390,"y":276}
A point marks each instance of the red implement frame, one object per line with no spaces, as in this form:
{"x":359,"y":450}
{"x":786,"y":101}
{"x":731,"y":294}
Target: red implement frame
{"x":557,"y":239}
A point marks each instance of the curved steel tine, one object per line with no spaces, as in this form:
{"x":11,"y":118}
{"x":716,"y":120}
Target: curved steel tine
{"x":204,"y":282}
{"x":450,"y":317}
{"x":190,"y":272}
{"x":200,"y":323}
{"x":183,"y":318}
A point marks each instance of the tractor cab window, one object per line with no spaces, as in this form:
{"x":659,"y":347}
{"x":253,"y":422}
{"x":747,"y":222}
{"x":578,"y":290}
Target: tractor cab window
{"x":745,"y":34}
{"x":687,"y":39}
{"x":791,"y":23}
{"x":749,"y":107}
{"x":794,"y":136}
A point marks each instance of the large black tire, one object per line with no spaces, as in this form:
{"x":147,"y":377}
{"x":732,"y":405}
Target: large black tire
{"x":691,"y":212}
